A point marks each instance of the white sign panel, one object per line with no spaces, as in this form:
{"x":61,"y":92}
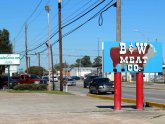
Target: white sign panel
{"x":9,"y":59}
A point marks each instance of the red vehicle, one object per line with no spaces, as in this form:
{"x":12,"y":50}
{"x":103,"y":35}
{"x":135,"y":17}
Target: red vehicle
{"x":29,"y":79}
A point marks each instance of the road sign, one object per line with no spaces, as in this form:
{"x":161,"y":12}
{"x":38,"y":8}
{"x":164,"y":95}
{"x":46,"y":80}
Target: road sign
{"x":9,"y":59}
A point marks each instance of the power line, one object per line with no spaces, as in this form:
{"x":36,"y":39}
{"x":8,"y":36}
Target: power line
{"x":22,"y":27}
{"x":56,"y":26}
{"x":105,"y":8}
{"x":69,"y":24}
{"x":36,"y":8}
{"x":77,"y":10}
{"x":84,"y":14}
{"x":42,"y":10}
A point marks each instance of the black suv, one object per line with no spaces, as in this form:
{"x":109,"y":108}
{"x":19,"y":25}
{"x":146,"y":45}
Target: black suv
{"x":88,"y":80}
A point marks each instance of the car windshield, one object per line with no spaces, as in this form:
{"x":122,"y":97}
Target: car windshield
{"x":45,"y":77}
{"x":70,"y":79}
{"x":35,"y":77}
{"x":92,"y":77}
{"x":104,"y":80}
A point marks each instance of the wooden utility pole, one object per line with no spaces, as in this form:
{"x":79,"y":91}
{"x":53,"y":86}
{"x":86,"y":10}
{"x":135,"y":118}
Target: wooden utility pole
{"x":14,"y":46}
{"x":118,"y":21}
{"x":60,"y":44}
{"x":29,"y":61}
{"x":52,"y":66}
{"x":98,"y":47}
{"x":26,"y":47}
{"x":39,"y":59}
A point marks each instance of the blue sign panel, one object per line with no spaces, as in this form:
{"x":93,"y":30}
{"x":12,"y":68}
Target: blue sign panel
{"x":132,"y":56}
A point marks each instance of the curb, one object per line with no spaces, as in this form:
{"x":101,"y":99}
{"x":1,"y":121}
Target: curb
{"x":127,"y":100}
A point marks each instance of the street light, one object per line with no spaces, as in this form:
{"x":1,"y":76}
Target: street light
{"x":47,"y":9}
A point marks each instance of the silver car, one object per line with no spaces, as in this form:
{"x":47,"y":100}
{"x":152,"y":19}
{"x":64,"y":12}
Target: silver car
{"x":70,"y":81}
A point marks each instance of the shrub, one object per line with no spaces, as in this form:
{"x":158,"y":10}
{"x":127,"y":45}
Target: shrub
{"x":30,"y":87}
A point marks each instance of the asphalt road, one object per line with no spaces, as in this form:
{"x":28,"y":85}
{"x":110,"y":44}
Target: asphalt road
{"x":151,"y":95}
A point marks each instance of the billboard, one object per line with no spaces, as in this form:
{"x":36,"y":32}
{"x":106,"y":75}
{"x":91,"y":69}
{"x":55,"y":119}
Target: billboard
{"x":132,"y":57}
{"x":9,"y":59}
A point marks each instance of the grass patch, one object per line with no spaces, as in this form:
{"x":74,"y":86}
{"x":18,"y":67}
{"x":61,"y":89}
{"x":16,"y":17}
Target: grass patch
{"x":154,"y":83}
{"x":37,"y":91}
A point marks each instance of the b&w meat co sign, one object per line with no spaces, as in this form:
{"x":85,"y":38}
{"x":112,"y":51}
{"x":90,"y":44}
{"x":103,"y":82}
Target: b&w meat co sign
{"x":132,"y":57}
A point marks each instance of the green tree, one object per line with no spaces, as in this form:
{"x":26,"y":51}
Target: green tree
{"x":57,"y":66}
{"x":83,"y":62}
{"x":97,"y":61}
{"x":86,"y":62}
{"x":37,"y":70}
{"x":5,"y":46}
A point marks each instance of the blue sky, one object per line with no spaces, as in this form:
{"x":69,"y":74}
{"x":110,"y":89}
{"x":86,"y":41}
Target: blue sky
{"x":142,"y":20}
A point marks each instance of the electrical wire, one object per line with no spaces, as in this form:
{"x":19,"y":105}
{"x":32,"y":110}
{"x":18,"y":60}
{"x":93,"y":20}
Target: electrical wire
{"x":105,"y":8}
{"x":22,"y":27}
{"x":83,"y":14}
{"x":34,"y":11}
{"x":68,"y":24}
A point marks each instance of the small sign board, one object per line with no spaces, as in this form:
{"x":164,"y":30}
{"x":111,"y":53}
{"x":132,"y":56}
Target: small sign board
{"x":132,"y":57}
{"x":9,"y":59}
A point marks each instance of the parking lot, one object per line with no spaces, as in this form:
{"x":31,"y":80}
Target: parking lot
{"x":41,"y":108}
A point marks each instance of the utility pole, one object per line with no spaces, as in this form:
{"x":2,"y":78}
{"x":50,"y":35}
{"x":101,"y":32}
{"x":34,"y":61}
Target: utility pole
{"x":39,"y":59}
{"x":60,"y":44}
{"x":29,"y":61}
{"x":98,"y":57}
{"x":26,"y":27}
{"x":65,"y":69}
{"x":118,"y":21}
{"x":52,"y":66}
{"x":98,"y":46}
{"x":47,"y":8}
{"x":14,"y":46}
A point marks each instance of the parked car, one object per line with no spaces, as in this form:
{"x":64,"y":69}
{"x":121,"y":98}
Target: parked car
{"x":45,"y":78}
{"x":69,"y":81}
{"x":29,"y":79}
{"x":4,"y":82}
{"x":101,"y":85}
{"x":75,"y":77}
{"x":55,"y":78}
{"x":88,"y":80}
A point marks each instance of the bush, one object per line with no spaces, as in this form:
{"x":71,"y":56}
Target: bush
{"x":30,"y":87}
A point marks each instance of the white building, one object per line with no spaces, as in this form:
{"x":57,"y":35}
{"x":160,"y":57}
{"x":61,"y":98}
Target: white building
{"x":82,"y":71}
{"x":13,"y":69}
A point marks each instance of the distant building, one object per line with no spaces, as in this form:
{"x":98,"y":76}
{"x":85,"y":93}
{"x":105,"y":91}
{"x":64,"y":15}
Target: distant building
{"x":82,"y":71}
{"x":13,"y":69}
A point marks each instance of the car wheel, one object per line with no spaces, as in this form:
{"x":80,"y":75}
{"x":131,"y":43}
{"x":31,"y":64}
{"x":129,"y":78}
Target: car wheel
{"x":97,"y":92}
{"x":90,"y":91}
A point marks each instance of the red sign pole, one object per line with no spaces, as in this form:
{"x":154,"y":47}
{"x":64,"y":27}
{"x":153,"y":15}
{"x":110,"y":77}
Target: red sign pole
{"x":139,"y":90}
{"x":117,"y":89}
